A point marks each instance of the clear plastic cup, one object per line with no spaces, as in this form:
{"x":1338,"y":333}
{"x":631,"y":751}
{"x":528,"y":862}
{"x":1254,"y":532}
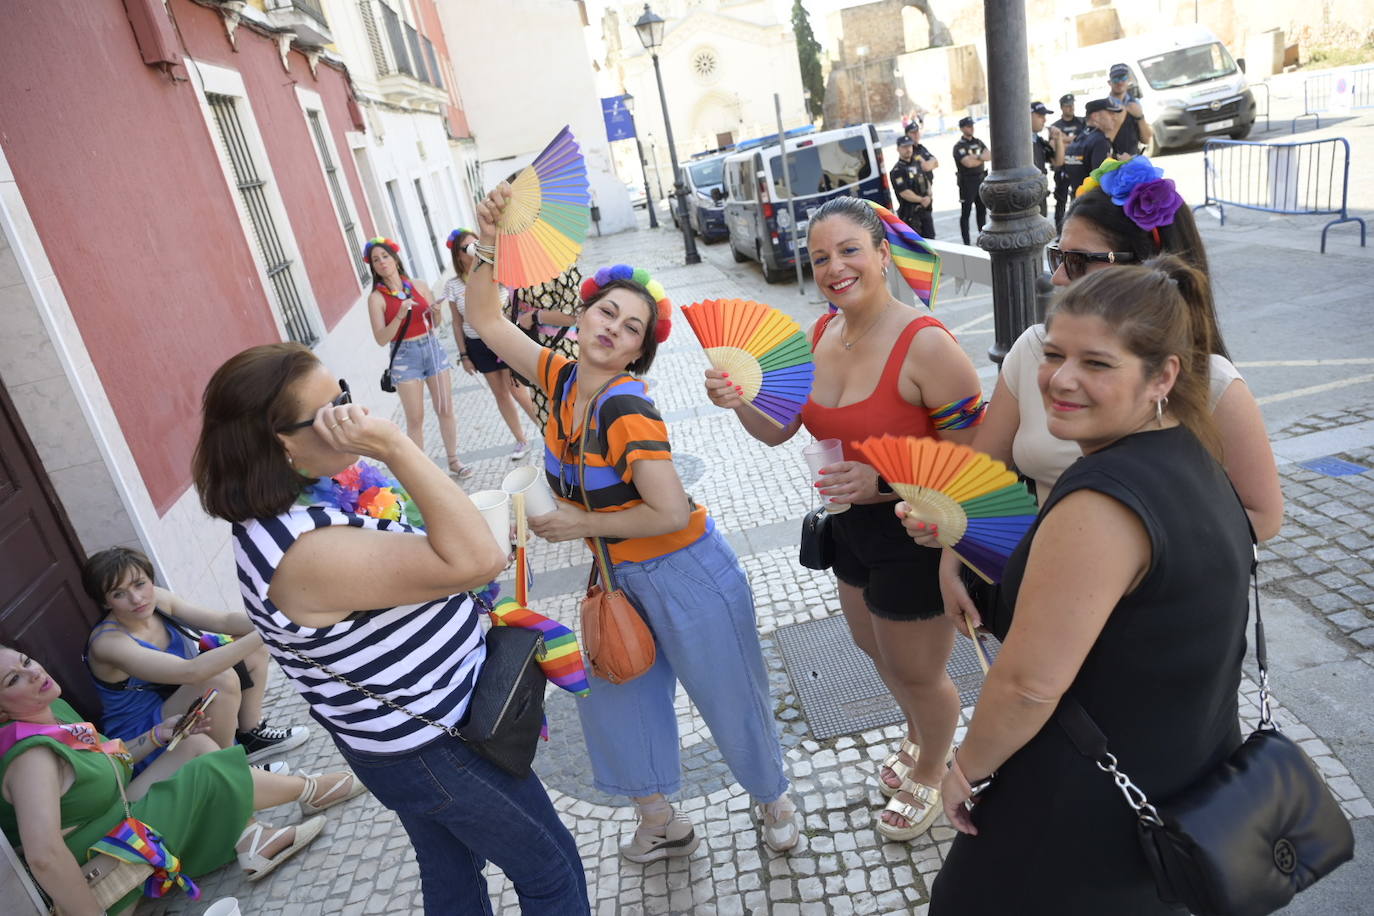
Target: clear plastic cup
{"x":823,"y":453}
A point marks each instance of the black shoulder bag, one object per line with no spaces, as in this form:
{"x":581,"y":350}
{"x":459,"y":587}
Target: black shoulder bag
{"x":387,"y":384}
{"x":1244,"y":838}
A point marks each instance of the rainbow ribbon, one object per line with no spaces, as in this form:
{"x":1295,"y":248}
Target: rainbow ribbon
{"x":134,"y":841}
{"x":561,"y":661}
{"x":210,"y":641}
{"x":918,"y":262}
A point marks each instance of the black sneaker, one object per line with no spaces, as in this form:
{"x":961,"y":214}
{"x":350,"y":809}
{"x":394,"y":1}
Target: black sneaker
{"x":264,"y":740}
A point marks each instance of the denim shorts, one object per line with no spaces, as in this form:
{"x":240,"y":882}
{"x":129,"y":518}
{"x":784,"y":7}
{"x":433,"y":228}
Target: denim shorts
{"x":419,"y":358}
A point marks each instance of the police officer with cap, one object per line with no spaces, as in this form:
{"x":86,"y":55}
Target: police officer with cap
{"x":1045,"y":151}
{"x":911,"y":185}
{"x":1094,"y":144}
{"x":1070,"y":126}
{"x":971,"y":157}
{"x":1135,"y":130}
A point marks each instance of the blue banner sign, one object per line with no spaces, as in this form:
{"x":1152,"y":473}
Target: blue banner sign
{"x":620,"y":124}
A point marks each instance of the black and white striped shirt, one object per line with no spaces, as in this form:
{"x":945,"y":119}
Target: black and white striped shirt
{"x":424,"y":657}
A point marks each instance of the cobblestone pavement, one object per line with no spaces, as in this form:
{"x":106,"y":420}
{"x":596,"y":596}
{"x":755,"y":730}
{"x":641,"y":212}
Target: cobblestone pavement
{"x":363,"y":864}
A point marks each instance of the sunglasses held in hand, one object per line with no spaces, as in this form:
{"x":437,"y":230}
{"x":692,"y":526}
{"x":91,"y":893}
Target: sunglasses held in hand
{"x":344,"y":398}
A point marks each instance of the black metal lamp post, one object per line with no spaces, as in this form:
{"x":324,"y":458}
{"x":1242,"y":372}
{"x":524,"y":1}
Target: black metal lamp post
{"x":649,"y":203}
{"x":650,"y":29}
{"x":1016,"y":233}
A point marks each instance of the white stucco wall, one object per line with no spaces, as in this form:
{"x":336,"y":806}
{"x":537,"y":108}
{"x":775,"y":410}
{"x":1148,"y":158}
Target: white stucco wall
{"x":524,"y":72}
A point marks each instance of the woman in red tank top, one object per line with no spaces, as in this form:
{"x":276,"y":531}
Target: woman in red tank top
{"x":420,"y":358}
{"x":881,"y":367}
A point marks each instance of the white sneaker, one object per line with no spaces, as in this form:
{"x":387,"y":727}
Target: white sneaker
{"x":521,"y":450}
{"x":673,"y":839}
{"x":779,"y":823}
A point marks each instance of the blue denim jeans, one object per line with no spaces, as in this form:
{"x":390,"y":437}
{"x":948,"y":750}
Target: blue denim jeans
{"x":461,"y":811}
{"x":699,"y":606}
{"x":419,"y":358}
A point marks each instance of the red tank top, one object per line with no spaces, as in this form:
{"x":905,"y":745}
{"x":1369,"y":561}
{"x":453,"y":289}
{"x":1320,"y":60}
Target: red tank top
{"x":883,"y":411}
{"x":419,"y":320}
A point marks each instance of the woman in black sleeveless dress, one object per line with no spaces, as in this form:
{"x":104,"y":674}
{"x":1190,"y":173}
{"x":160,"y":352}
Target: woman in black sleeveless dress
{"x":1129,"y":595}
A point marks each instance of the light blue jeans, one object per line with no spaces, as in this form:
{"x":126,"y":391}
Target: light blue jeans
{"x":699,"y":606}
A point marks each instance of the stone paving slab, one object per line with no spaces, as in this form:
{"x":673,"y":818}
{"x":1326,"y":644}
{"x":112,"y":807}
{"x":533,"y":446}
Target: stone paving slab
{"x":1316,"y":574}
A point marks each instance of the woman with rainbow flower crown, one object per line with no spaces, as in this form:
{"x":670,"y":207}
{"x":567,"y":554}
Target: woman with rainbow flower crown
{"x":1124,"y":213}
{"x":400,"y":311}
{"x":668,"y":556}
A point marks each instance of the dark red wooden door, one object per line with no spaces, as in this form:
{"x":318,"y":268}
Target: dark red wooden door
{"x":43,"y":610}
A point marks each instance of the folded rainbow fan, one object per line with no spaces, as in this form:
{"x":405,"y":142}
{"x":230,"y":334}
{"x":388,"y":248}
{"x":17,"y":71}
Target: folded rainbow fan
{"x":980,"y":507}
{"x":541,"y":231}
{"x":764,"y":351}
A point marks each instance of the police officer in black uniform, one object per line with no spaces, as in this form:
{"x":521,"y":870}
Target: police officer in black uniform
{"x":911,"y":185}
{"x":1070,"y":126}
{"x":1135,"y":130}
{"x":1046,"y":151}
{"x":971,"y":157}
{"x":1094,"y":144}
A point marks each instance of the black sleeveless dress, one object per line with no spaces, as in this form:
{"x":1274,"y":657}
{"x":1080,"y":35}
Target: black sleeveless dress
{"x":1055,"y":835}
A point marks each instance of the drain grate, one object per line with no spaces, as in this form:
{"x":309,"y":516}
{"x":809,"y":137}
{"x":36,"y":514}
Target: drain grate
{"x":839,"y":689}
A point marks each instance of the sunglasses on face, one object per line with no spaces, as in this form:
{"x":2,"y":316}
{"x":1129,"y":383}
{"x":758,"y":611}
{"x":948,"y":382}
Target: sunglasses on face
{"x":343,"y":398}
{"x":1075,"y":263}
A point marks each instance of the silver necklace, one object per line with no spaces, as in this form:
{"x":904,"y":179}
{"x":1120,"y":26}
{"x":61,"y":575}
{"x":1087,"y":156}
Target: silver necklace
{"x":849,"y":344}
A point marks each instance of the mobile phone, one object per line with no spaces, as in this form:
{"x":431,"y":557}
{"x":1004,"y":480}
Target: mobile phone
{"x":192,"y":716}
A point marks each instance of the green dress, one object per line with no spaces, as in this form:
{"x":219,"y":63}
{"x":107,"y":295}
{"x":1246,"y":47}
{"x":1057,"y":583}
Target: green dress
{"x":200,"y":811}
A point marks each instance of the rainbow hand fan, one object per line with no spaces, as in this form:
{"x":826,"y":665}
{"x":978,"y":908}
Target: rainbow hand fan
{"x":764,"y":351}
{"x":541,"y":231}
{"x":981,"y":508}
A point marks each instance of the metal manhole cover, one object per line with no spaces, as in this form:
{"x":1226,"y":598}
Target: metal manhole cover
{"x":839,"y":689}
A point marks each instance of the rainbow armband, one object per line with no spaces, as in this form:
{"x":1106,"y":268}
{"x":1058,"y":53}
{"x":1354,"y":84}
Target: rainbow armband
{"x":959,"y":414}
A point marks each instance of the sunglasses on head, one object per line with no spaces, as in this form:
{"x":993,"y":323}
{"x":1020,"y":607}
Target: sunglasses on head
{"x":343,"y":398}
{"x":1075,"y":263}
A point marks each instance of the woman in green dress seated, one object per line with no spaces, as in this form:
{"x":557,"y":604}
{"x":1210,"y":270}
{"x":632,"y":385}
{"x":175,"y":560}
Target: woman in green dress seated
{"x":58,"y":794}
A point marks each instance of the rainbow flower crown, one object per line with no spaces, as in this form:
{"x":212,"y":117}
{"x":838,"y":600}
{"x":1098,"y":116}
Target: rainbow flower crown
{"x":458,"y":233}
{"x":1139,"y":187}
{"x":388,"y":244}
{"x":592,"y":285}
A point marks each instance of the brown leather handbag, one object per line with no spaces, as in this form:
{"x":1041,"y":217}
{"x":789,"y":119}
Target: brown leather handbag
{"x":617,"y":641}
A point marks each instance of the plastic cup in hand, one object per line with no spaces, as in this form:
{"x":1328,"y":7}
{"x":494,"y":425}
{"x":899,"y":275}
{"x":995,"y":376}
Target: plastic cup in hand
{"x":529,"y":481}
{"x":495,"y":508}
{"x":820,"y":454}
{"x":224,"y":906}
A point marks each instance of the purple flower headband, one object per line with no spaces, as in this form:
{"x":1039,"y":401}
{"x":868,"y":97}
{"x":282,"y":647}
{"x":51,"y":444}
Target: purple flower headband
{"x":1139,"y":187}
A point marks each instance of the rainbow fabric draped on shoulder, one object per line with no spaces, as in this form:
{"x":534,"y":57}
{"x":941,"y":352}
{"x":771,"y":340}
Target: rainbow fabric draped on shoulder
{"x":918,"y":262}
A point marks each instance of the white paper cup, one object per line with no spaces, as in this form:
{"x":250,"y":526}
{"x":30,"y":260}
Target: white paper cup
{"x":224,"y":906}
{"x":820,"y":454}
{"x":495,"y":508}
{"x":528,"y":480}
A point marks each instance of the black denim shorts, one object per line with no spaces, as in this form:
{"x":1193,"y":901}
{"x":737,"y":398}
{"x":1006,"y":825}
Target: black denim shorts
{"x":900,"y":578}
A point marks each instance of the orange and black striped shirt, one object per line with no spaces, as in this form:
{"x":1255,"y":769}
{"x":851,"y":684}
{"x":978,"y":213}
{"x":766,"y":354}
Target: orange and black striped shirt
{"x":626,"y":427}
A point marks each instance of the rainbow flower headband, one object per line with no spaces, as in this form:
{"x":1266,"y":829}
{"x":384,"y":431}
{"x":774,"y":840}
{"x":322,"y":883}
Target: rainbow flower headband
{"x":1139,"y":187}
{"x":592,"y":285}
{"x":386,"y":243}
{"x":458,"y":233}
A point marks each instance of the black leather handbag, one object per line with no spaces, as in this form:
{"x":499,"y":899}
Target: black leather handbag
{"x":817,"y":546}
{"x":387,"y":384}
{"x":1243,"y":839}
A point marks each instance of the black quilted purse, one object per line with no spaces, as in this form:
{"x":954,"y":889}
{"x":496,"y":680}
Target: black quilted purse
{"x":1243,"y":839}
{"x":817,"y":545}
{"x":387,"y":384}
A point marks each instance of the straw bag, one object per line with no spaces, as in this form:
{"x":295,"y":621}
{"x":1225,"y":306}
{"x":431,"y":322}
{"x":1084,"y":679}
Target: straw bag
{"x":111,"y":879}
{"x":618,"y":642}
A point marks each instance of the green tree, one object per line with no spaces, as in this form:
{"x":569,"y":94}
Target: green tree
{"x":809,"y":57}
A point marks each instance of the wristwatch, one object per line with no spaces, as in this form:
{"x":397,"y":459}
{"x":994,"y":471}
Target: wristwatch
{"x":978,"y":788}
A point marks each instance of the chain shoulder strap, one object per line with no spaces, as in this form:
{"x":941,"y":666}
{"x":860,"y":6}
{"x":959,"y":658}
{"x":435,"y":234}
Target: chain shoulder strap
{"x":450,"y":730}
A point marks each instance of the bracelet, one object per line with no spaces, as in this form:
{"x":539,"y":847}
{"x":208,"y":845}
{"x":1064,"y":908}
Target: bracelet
{"x":884,"y":488}
{"x":463,"y":356}
{"x":152,"y":734}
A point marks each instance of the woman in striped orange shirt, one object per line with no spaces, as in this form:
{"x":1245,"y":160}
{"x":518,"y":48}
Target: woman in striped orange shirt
{"x":668,"y":557}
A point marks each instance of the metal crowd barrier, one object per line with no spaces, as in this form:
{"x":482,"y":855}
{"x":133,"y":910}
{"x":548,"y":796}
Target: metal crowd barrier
{"x":1316,"y":92}
{"x":1293,"y":179}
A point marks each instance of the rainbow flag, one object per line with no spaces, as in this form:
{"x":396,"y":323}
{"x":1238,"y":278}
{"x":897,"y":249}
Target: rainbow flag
{"x":131,"y":840}
{"x":917,"y":261}
{"x":562,"y":659}
{"x":210,"y":641}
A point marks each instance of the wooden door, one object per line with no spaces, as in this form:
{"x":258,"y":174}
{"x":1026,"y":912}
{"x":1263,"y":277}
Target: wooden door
{"x":43,"y":610}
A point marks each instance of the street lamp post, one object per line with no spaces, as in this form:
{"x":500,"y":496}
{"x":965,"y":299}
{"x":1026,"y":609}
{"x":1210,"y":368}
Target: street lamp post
{"x":643,"y":166}
{"x":1016,"y":233}
{"x":650,"y":29}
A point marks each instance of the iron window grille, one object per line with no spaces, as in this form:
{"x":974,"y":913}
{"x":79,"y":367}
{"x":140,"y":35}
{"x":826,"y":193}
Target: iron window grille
{"x":331,"y":173}
{"x":393,"y":192}
{"x":253,"y":193}
{"x":429,"y":225}
{"x":434,"y":76}
{"x":398,"y":41}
